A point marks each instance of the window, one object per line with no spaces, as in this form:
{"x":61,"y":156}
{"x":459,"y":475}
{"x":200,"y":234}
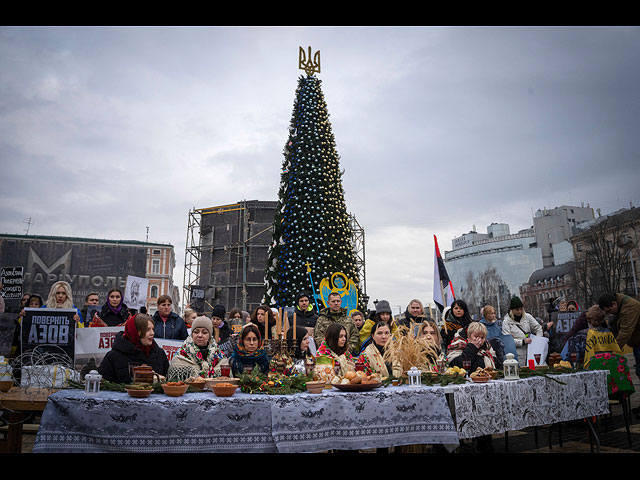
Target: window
{"x":154,"y":291}
{"x":155,"y":251}
{"x":155,"y":266}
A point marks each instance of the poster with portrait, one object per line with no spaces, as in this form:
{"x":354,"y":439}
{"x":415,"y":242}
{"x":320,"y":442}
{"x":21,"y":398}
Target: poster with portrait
{"x":135,"y":293}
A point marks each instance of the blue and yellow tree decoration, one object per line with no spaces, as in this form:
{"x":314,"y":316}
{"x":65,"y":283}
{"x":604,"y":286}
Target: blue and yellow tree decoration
{"x":311,"y":223}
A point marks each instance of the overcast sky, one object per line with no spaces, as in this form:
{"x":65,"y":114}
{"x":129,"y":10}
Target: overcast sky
{"x":105,"y":131}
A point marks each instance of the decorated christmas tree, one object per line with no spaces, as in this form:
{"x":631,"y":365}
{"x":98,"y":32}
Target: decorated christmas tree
{"x":312,"y":236}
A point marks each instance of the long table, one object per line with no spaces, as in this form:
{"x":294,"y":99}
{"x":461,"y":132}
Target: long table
{"x":202,"y":422}
{"x":391,"y":416}
{"x":501,"y":406}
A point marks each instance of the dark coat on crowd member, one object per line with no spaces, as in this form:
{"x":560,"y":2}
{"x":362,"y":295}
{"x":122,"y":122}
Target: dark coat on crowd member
{"x":111,"y":318}
{"x":174,"y":329}
{"x":115,"y":365}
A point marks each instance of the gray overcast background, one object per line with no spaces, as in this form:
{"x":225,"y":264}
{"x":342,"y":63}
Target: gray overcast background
{"x":107,"y":130}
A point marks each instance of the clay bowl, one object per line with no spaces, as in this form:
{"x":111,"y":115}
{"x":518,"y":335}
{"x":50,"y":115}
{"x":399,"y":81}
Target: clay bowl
{"x":174,"y":390}
{"x":224,"y":389}
{"x":197,"y":385}
{"x":315,"y":387}
{"x":210,"y":382}
{"x":139,"y":393}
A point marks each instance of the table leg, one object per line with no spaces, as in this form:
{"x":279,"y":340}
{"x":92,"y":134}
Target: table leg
{"x":593,"y":435}
{"x":14,"y":436}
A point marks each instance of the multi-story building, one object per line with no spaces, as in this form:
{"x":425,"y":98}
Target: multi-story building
{"x":88,"y":265}
{"x":555,"y":226}
{"x":545,"y":284}
{"x":489,"y":268}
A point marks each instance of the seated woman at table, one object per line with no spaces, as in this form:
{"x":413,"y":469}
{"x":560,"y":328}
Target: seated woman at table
{"x":133,"y":347}
{"x":249,"y":353}
{"x":335,"y":345}
{"x":302,"y":351}
{"x":200,"y":350}
{"x":373,"y":354}
{"x":430,"y":334}
{"x":470,"y":345}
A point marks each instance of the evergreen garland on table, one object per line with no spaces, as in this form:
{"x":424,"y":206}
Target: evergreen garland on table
{"x":311,"y":222}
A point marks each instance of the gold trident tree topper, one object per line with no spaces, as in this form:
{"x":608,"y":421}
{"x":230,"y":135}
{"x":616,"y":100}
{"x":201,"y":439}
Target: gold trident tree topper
{"x":305,"y":63}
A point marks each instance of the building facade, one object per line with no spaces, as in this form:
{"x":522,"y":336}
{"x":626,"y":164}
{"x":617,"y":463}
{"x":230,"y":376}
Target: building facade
{"x":546,"y":284}
{"x":88,"y":265}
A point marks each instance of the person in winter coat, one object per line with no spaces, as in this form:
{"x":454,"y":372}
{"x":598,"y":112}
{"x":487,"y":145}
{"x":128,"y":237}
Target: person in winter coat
{"x":373,"y":355}
{"x":457,"y":317}
{"x":414,"y":313}
{"x":335,"y":313}
{"x":335,"y":346}
{"x":501,"y":344}
{"x":306,"y":315}
{"x":200,"y":350}
{"x":134,"y":346}
{"x":470,"y":344}
{"x":249,"y":353}
{"x":114,"y":312}
{"x":383,"y":314}
{"x":221,"y":328}
{"x":169,"y":325}
{"x":521,"y":326}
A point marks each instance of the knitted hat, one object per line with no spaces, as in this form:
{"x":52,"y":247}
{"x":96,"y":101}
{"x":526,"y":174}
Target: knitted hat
{"x":383,"y":307}
{"x":202,"y":322}
{"x":515,"y":303}
{"x":218,"y":311}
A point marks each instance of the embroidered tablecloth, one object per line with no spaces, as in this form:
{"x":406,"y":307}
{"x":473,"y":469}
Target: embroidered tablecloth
{"x":500,"y":406}
{"x":202,"y":422}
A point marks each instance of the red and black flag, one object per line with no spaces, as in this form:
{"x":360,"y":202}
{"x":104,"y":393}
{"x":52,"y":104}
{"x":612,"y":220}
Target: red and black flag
{"x":442,"y":287}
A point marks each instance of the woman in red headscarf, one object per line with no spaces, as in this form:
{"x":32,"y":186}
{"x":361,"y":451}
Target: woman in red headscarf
{"x":131,"y":348}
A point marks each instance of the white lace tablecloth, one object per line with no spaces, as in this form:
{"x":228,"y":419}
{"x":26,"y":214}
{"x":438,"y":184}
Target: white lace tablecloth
{"x":501,"y":406}
{"x":202,"y":422}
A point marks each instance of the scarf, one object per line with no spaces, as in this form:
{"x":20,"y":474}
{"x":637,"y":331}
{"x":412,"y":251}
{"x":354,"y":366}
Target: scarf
{"x":206,"y":358}
{"x":131,"y":334}
{"x":115,"y":310}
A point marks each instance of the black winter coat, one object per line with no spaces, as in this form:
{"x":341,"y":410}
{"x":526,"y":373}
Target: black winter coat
{"x":174,"y":329}
{"x":113,"y":319}
{"x":115,"y":365}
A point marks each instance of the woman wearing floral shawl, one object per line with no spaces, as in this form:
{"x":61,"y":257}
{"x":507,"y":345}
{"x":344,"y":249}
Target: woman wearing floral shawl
{"x":200,"y":351}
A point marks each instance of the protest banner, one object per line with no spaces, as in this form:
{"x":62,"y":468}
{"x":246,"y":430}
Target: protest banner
{"x":11,"y":279}
{"x":50,"y":330}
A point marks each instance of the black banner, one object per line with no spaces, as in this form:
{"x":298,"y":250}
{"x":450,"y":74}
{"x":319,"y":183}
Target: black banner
{"x":197,"y":298}
{"x":50,"y":330}
{"x":564,"y":321}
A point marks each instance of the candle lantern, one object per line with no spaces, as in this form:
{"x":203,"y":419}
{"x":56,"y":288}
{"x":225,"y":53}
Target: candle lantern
{"x":92,"y":383}
{"x":415,"y":377}
{"x":511,"y":368}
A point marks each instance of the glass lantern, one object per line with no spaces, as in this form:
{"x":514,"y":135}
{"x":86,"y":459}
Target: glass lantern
{"x":511,"y":367}
{"x":92,"y":383}
{"x":415,"y":377}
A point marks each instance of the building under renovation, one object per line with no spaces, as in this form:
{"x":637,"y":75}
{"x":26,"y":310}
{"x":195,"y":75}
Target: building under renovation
{"x":226,"y":254}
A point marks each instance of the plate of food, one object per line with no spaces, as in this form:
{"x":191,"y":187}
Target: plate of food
{"x":139,"y":390}
{"x":356,"y":382}
{"x":357,"y":387}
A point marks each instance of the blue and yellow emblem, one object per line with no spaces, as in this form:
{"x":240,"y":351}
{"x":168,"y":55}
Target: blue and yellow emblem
{"x":343,"y":285}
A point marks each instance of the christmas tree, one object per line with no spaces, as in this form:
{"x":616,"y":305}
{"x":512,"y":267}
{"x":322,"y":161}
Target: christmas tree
{"x":311,"y":225}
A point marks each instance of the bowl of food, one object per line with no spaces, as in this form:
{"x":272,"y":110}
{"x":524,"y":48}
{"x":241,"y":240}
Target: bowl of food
{"x":224,"y":389}
{"x":210,"y":382}
{"x":315,"y":387}
{"x":174,"y":389}
{"x":196,"y":382}
{"x":481,"y":375}
{"x":139,"y":390}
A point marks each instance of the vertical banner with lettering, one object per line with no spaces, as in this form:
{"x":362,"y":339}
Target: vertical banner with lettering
{"x":563,"y":323}
{"x":50,"y":330}
{"x":197,"y":298}
{"x":135,"y":293}
{"x":11,"y":279}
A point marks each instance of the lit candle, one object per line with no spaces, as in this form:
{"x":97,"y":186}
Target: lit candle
{"x":294,"y":325}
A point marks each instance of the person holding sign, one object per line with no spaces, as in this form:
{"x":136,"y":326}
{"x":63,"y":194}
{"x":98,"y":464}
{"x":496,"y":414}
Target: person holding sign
{"x":133,"y":347}
{"x":114,"y":312}
{"x":60,"y":296}
{"x":521,"y":325}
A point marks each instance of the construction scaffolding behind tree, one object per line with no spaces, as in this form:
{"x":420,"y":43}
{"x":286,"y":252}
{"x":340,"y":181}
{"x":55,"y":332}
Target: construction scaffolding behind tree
{"x":226,"y":254}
